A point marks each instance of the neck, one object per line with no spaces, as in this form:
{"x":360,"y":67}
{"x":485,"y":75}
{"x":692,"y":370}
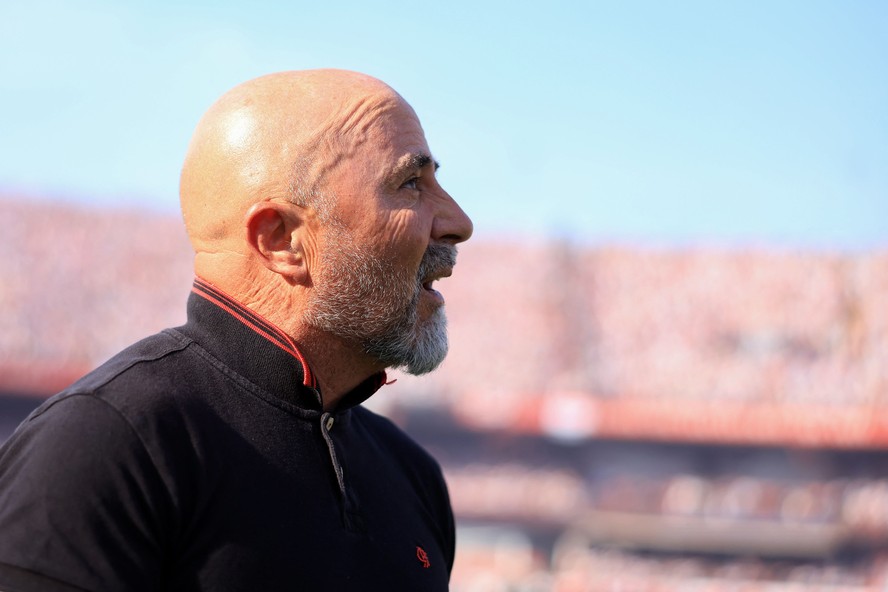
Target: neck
{"x":338,"y":365}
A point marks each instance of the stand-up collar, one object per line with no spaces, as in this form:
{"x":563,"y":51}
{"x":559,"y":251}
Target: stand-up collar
{"x":258,"y":350}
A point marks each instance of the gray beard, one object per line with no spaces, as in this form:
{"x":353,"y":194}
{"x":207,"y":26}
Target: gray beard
{"x":363,"y":299}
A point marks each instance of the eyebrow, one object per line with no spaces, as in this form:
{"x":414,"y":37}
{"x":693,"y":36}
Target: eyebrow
{"x":414,"y":162}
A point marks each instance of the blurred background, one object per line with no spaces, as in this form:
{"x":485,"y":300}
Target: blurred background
{"x":669,"y":333}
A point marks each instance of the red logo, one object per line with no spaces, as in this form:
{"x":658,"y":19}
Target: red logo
{"x":423,"y":557}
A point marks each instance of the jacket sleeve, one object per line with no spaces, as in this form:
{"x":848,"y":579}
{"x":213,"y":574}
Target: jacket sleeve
{"x":81,"y":503}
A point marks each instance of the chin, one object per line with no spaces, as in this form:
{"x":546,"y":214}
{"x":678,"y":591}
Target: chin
{"x":430,"y":346}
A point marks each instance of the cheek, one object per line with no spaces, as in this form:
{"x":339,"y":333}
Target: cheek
{"x":404,"y":235}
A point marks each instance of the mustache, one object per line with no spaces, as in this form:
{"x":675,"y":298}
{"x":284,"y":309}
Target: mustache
{"x":436,"y":260}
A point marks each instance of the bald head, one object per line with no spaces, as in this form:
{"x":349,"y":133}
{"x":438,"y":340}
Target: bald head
{"x":274,"y":137}
{"x":311,"y":197}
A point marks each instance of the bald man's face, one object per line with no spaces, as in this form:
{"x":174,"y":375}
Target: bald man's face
{"x":393,"y":233}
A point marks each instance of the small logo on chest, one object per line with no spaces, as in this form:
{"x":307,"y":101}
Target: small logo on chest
{"x":423,"y":557}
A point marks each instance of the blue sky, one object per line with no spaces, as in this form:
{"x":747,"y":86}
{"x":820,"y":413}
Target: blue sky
{"x":747,"y":122}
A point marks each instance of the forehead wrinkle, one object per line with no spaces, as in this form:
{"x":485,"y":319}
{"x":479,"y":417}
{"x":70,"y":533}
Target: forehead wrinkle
{"x":344,"y":132}
{"x":350,"y":126}
{"x":358,"y":118}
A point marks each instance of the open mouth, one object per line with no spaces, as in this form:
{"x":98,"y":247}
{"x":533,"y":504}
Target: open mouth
{"x":427,"y":283}
{"x":435,"y":294}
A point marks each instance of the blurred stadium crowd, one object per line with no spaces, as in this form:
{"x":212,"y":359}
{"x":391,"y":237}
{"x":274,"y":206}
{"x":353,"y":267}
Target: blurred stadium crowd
{"x":610,"y":418}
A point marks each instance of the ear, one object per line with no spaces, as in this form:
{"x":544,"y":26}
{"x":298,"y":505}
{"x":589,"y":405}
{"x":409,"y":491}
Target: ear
{"x":274,"y":232}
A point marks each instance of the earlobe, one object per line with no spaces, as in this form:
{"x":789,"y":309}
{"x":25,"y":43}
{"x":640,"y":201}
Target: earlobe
{"x":273,"y":233}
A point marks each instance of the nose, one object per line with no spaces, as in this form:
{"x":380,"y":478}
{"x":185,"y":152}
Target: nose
{"x":451,"y":224}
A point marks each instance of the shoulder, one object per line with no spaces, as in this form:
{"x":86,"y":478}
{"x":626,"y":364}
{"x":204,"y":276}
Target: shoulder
{"x":101,"y":417}
{"x":147,"y":379}
{"x":101,"y":458}
{"x":78,"y":472}
{"x":143,"y":364}
{"x":125,"y":413}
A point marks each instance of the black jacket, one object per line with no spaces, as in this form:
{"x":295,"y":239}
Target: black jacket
{"x":200,"y":459}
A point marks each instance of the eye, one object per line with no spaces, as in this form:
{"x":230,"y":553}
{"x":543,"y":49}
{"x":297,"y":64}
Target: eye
{"x":412,"y":183}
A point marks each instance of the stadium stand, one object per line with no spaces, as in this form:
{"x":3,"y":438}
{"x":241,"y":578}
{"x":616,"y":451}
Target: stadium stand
{"x":608,"y":418}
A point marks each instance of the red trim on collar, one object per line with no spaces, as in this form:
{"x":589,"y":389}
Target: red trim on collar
{"x":256,"y":322}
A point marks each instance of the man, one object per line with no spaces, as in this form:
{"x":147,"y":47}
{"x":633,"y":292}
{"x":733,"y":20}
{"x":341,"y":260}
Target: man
{"x":231,"y":453}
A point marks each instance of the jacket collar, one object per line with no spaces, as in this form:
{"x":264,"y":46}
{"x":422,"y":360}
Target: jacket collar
{"x":255,"y":348}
